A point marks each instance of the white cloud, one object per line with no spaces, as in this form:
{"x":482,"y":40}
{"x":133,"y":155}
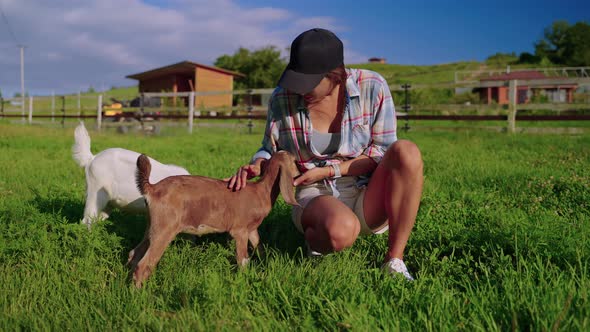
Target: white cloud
{"x":111,"y":51}
{"x":52,"y":56}
{"x":75,"y":44}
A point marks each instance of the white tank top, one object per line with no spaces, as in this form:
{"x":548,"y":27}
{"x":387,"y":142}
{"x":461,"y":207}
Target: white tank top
{"x":326,"y":143}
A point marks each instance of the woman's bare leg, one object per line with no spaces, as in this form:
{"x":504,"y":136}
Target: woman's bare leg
{"x":394,"y":193}
{"x":329,"y":225}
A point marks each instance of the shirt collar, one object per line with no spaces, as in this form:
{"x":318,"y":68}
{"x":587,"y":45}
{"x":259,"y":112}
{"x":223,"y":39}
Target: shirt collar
{"x":351,"y":87}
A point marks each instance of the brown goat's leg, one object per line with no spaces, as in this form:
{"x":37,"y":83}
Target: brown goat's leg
{"x":138,"y":252}
{"x":241,"y":238}
{"x":157,"y":244}
{"x":255,"y":241}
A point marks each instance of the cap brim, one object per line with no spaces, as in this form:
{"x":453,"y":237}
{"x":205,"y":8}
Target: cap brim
{"x":298,"y":82}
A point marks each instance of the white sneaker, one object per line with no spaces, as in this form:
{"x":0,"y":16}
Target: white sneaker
{"x":396,"y":265}
{"x":312,"y":253}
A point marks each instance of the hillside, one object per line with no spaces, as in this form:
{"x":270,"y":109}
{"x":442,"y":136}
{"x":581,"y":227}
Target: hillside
{"x":429,"y":74}
{"x":393,"y":73}
{"x":419,"y":74}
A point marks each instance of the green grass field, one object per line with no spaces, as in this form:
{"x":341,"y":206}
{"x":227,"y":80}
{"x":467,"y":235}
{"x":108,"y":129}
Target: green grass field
{"x":502,"y":242}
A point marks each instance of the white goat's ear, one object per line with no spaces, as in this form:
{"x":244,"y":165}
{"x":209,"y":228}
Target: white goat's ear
{"x":287,"y":174}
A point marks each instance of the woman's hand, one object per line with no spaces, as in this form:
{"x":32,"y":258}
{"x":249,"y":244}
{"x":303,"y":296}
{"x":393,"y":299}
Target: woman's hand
{"x":313,"y":175}
{"x":244,"y":173}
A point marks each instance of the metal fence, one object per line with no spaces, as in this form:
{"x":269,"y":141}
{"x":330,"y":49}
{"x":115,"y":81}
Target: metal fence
{"x":251,"y":105}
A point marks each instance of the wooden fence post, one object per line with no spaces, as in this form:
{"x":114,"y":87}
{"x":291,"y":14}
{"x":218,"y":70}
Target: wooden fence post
{"x":99,"y":113}
{"x":23,"y":101}
{"x":30,"y":109}
{"x":141,"y":112}
{"x":513,"y":100}
{"x":191,"y":111}
{"x":249,"y":108}
{"x":63,"y":111}
{"x":52,"y":106}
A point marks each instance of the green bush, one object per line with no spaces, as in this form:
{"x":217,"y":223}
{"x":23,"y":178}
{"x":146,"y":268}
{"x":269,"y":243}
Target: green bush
{"x":467,"y":97}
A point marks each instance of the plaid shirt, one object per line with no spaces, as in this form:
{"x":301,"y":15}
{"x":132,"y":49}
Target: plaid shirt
{"x":368,"y":124}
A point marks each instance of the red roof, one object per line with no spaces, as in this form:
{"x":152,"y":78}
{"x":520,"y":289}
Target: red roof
{"x":517,"y":75}
{"x":184,"y":67}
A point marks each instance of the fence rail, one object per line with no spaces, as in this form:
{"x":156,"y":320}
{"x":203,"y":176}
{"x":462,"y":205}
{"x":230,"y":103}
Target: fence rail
{"x":70,"y":107}
{"x":403,"y":116}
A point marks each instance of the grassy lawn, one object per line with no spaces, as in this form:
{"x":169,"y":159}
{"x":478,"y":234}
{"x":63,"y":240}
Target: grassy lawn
{"x":502,"y":241}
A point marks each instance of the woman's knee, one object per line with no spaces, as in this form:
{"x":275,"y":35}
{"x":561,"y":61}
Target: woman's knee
{"x":404,"y":155}
{"x":332,"y":222}
{"x":342,"y":231}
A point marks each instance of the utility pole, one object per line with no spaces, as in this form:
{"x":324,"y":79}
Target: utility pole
{"x":22,"y":78}
{"x":22,"y":62}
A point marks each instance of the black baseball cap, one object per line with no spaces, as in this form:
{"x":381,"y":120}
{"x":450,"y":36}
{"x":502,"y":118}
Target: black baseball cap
{"x":314,"y":53}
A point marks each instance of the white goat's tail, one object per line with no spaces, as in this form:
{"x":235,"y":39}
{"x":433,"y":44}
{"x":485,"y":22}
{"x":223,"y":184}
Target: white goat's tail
{"x":81,"y":148}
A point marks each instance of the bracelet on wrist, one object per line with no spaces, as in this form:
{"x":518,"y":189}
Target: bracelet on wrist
{"x":337,"y":173}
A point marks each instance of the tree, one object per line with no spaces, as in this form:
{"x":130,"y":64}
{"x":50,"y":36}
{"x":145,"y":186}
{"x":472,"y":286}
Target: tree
{"x":528,"y":58}
{"x":576,"y":48}
{"x":262,"y":67}
{"x":565,"y":44}
{"x":552,"y":44}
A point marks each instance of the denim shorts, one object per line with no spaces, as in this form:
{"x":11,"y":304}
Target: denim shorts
{"x":346,"y":191}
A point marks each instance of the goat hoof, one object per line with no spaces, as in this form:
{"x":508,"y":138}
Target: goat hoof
{"x":140,"y":274}
{"x":85,"y":222}
{"x":244,"y":262}
{"x":137,"y":281}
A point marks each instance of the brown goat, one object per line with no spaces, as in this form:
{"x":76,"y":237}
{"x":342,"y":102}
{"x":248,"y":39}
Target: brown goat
{"x":200,"y":205}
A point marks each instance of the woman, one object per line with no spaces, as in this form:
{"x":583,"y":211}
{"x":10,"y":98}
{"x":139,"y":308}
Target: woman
{"x":341,"y":126}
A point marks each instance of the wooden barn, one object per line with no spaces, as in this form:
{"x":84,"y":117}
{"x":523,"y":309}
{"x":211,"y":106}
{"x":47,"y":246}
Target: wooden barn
{"x":189,"y":76}
{"x":377,"y":60}
{"x":553,"y":89}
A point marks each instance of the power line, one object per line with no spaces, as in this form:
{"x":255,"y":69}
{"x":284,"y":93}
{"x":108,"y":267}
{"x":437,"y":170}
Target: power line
{"x":9,"y":28}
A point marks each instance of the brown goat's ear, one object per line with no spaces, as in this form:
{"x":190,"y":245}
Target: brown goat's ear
{"x":287,"y":174}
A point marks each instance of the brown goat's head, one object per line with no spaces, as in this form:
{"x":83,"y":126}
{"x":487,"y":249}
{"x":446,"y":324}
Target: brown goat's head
{"x":287,"y":172}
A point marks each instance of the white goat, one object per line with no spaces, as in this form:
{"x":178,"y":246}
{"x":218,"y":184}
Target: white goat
{"x":110,"y":177}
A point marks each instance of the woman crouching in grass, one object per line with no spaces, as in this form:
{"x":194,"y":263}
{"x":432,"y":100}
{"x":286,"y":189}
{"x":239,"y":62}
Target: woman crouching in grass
{"x":358,"y":178}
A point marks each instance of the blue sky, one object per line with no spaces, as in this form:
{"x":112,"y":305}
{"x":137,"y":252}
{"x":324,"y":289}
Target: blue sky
{"x":72,"y":45}
{"x":432,"y":32}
